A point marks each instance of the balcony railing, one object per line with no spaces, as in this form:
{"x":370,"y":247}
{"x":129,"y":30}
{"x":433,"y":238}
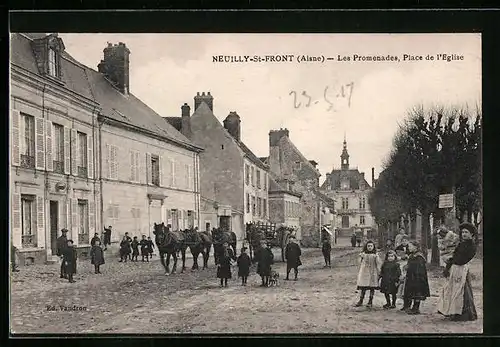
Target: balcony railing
{"x":83,"y":239}
{"x":28,"y":240}
{"x":82,"y":172}
{"x":27,"y":161}
{"x":59,"y":166}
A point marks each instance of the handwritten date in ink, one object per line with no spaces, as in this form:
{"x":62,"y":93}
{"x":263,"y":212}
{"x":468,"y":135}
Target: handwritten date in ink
{"x":331,"y":96}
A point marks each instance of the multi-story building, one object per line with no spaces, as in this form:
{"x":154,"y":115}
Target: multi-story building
{"x":149,"y":171}
{"x":54,"y":176}
{"x":284,"y":204}
{"x":87,"y":153}
{"x":234,"y":182}
{"x":287,"y":163}
{"x":349,"y":188}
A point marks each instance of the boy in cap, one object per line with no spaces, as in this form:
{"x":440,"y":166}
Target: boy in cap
{"x":69,"y":260}
{"x":62,"y":243}
{"x":243,"y":263}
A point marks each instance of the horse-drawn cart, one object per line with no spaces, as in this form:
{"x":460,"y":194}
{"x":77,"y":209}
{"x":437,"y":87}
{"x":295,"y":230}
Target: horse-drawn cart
{"x":273,"y":235}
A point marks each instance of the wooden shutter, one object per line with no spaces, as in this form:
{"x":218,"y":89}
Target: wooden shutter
{"x":39,"y":143}
{"x":49,"y":148}
{"x":15,"y":134}
{"x":137,"y":166}
{"x":108,"y":160}
{"x":74,"y":152}
{"x":92,"y":214}
{"x":74,"y":220}
{"x":16,"y":219}
{"x":40,"y":221}
{"x":132,"y":166}
{"x":67,"y":151}
{"x":172,"y":169}
{"x":149,"y":171}
{"x":90,"y":156}
{"x":160,"y":170}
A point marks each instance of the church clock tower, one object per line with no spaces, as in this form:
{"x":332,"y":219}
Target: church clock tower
{"x":344,"y":157}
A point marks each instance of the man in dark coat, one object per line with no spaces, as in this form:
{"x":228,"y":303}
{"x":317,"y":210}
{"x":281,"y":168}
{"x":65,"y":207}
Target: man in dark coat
{"x":292,"y":256}
{"x":61,"y":244}
{"x":265,"y":259}
{"x":94,"y":239}
{"x":129,"y":239}
{"x":69,"y":260}
{"x":107,"y":237}
{"x":326,"y":249}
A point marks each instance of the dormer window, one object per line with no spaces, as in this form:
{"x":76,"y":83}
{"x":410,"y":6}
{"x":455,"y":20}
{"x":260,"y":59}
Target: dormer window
{"x":48,"y":51}
{"x":52,"y":63}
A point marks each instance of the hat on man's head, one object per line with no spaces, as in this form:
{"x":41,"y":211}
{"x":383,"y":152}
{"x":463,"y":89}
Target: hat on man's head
{"x":64,"y":230}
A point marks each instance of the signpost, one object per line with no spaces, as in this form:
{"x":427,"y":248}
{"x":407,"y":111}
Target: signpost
{"x":446,"y":201}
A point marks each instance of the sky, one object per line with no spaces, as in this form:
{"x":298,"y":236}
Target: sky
{"x":361,"y":100}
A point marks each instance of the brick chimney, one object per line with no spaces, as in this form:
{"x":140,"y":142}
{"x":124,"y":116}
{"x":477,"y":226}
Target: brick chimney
{"x":186,"y":120}
{"x":208,"y":99}
{"x":115,"y":66}
{"x":232,"y":123}
{"x":276,"y":135}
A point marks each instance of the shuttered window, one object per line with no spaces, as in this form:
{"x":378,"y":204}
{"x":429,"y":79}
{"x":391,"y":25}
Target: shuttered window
{"x":134,"y":166}
{"x":58,"y":139}
{"x":83,"y":219}
{"x":112,"y":162}
{"x":28,"y":221}
{"x":28,"y":141}
{"x":82,"y":155}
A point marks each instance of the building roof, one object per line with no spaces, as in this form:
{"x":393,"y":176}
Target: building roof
{"x":329,"y":201}
{"x":275,"y":187}
{"x":126,"y":109}
{"x":334,"y":179}
{"x":301,"y":156}
{"x":251,"y":156}
{"x":176,"y":122}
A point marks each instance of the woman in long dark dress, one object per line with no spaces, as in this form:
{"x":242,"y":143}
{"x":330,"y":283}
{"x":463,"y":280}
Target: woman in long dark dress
{"x":266,"y":258}
{"x":224,"y":264}
{"x":457,"y":300}
{"x":69,"y":261}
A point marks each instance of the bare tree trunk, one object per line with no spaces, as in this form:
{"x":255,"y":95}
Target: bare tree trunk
{"x":413,"y":226}
{"x":435,"y":256}
{"x":425,"y":233}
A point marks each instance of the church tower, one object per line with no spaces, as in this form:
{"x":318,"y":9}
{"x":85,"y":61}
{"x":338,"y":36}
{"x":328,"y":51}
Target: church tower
{"x":344,"y":157}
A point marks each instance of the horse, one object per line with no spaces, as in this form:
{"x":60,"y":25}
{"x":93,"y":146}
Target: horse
{"x":198,"y":243}
{"x":220,"y":236}
{"x":170,"y":243}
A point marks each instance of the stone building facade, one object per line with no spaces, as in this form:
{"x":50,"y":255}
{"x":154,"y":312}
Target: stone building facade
{"x":54,"y":178}
{"x":233,"y":179}
{"x":349,"y":188}
{"x":81,"y":149}
{"x":287,"y":162}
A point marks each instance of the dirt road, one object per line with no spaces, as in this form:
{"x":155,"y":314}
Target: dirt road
{"x":139,"y":298}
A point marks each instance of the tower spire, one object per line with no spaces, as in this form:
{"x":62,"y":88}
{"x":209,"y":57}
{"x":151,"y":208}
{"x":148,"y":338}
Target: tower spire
{"x":344,"y":157}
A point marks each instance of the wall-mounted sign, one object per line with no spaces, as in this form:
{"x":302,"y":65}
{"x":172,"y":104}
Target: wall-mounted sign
{"x":446,"y":201}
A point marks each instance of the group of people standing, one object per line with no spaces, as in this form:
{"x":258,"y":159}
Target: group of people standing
{"x":403,"y":273}
{"x":265,"y":259}
{"x":129,"y":248}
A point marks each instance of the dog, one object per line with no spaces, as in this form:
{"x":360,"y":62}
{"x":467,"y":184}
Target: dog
{"x":274,"y":279}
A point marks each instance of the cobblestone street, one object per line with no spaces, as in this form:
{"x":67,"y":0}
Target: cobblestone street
{"x":139,"y":298}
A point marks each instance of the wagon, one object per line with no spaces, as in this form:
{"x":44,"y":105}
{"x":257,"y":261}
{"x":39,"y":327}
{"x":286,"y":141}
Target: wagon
{"x":274,"y":236}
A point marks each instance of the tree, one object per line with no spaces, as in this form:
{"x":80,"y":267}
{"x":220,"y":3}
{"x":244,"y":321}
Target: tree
{"x":435,"y":151}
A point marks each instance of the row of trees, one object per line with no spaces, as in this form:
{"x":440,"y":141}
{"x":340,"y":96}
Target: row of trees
{"x":435,"y":151}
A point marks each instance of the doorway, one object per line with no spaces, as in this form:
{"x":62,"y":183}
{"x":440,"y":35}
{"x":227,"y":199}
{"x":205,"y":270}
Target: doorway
{"x":54,"y":225}
{"x":345,"y":221}
{"x":225,"y":223}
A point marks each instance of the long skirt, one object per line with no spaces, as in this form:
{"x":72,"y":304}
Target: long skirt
{"x":456,"y":299}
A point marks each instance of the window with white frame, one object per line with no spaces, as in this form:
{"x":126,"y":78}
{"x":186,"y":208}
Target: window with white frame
{"x":361,"y":220}
{"x":345,"y":203}
{"x":362,"y":202}
{"x":52,"y":63}
{"x":28,"y":141}
{"x":82,"y":155}
{"x":28,"y":221}
{"x":83,"y":217}
{"x":58,"y":148}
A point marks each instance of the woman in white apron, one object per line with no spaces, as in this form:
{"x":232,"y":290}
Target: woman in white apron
{"x":456,"y":300}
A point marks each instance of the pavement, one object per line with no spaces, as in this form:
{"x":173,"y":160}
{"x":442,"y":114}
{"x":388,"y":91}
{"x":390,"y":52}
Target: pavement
{"x":139,"y":298}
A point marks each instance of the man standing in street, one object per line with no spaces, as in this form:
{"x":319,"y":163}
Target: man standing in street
{"x":13,"y":257}
{"x":106,"y":237}
{"x":292,"y":256}
{"x":62,"y":243}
